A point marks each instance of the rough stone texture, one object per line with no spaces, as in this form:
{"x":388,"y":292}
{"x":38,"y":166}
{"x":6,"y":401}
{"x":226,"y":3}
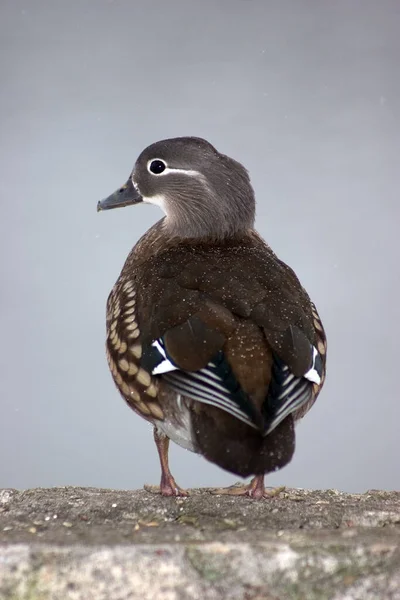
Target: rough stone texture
{"x":79,"y":543}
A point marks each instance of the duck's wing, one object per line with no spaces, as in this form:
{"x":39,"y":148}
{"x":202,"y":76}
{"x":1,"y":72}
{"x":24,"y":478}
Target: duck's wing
{"x":239,"y":335}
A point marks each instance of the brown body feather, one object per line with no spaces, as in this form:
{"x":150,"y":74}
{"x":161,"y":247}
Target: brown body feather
{"x":233,"y":295}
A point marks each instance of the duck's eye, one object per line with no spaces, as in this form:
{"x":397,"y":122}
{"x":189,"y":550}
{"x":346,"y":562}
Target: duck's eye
{"x":157,"y":166}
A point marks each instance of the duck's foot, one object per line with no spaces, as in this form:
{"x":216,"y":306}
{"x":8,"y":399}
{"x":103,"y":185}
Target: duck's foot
{"x":168,"y":485}
{"x":169,"y":489}
{"x":255,"y":489}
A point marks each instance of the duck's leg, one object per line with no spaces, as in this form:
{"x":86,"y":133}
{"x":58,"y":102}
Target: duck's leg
{"x":255,"y":489}
{"x":168,"y":485}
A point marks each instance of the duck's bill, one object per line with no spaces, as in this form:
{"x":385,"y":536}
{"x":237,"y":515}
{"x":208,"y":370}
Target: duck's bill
{"x":124,"y":196}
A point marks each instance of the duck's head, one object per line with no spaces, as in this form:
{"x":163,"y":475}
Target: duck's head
{"x":203,"y":193}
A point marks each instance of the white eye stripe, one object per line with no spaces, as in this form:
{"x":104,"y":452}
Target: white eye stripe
{"x":189,"y":172}
{"x":167,"y":169}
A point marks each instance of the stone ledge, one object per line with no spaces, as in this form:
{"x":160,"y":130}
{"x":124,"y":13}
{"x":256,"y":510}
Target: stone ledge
{"x":80,"y":543}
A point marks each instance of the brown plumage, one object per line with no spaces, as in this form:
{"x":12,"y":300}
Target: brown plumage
{"x":209,"y":335}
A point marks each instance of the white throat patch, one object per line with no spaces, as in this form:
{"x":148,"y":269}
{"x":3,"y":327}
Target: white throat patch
{"x":157,"y":200}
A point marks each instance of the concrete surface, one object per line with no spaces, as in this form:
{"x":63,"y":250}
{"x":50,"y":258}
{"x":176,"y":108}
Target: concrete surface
{"x":85,"y":543}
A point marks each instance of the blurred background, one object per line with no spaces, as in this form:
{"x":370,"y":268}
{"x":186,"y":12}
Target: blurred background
{"x":307,"y":96}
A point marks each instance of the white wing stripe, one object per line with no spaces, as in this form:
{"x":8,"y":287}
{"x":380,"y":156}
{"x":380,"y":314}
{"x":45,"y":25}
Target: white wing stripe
{"x":200,"y":376}
{"x":164,"y":366}
{"x":209,"y":396}
{"x":312,"y":374}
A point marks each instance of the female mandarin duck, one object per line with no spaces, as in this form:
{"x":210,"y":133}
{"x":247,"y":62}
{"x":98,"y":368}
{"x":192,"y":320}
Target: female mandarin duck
{"x":210,"y":336}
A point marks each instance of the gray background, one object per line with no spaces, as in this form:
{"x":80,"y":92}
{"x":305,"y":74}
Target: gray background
{"x":306,"y":95}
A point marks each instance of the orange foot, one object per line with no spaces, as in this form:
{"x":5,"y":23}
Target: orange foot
{"x":255,"y":489}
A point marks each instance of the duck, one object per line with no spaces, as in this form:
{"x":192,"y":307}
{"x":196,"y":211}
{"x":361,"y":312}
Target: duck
{"x":210,"y":337}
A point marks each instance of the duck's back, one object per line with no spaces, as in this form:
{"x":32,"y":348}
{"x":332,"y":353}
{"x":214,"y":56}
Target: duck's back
{"x":225,"y":328}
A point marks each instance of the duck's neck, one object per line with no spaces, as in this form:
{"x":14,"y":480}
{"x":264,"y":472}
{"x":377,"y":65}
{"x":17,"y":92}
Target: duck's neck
{"x":159,"y":239}
{"x":208,"y":220}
